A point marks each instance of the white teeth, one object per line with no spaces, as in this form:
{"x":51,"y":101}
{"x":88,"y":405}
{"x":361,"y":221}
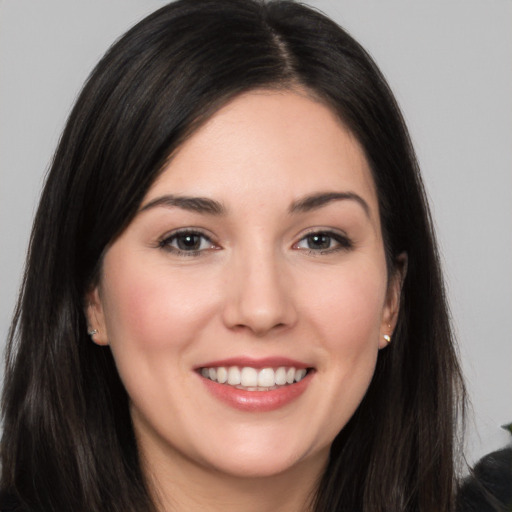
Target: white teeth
{"x":222,"y":374}
{"x":251,"y":379}
{"x":233,"y":376}
{"x":266,"y":378}
{"x":300,"y":374}
{"x":280,"y":376}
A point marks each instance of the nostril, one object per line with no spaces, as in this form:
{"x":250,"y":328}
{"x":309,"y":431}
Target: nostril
{"x":257,"y":300}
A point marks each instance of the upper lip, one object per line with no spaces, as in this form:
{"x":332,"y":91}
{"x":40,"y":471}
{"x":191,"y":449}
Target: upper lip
{"x":265,"y":362}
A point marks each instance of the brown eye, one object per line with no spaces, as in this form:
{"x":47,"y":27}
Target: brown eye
{"x":324,"y":242}
{"x":319,"y":241}
{"x":187,"y":242}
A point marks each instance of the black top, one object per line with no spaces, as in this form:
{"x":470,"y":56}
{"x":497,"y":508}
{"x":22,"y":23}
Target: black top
{"x":489,"y":487}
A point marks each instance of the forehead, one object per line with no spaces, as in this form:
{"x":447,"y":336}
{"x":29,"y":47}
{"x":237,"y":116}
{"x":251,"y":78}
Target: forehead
{"x":279,"y":144}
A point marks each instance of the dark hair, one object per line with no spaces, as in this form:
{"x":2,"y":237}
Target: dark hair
{"x":68,"y":442}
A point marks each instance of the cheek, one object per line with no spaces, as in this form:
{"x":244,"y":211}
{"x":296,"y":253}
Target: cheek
{"x":349,"y":310}
{"x":341,"y":311}
{"x":152,"y":308}
{"x":153,"y":317}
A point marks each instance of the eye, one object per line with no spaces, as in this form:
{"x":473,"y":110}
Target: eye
{"x":187,"y":243}
{"x":324,"y":242}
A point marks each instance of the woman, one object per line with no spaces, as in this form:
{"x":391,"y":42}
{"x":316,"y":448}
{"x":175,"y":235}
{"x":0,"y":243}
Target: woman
{"x":233,"y":298}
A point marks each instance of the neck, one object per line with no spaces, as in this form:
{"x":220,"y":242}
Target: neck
{"x":183,"y":485}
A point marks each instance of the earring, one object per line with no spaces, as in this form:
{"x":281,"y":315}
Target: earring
{"x":387,"y":338}
{"x":92,"y":332}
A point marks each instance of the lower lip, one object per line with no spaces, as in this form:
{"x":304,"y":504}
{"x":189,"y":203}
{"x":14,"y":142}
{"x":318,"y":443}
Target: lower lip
{"x":257,"y":401}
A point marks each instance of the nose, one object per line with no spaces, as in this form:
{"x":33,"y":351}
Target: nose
{"x":259,"y":294}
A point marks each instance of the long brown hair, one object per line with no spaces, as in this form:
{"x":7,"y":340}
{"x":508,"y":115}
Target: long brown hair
{"x":68,"y":441}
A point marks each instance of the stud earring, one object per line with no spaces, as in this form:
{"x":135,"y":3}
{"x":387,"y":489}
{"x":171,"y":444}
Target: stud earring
{"x":387,"y":338}
{"x":92,"y":332}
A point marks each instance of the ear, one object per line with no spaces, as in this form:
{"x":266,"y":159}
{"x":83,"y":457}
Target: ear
{"x":392,"y":305}
{"x":96,"y":325}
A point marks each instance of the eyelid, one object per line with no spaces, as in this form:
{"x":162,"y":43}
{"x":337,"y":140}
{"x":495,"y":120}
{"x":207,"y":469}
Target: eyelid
{"x":344,"y":242}
{"x":164,"y":242}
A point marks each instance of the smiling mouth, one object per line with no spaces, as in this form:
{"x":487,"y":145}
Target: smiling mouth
{"x":253,"y":379}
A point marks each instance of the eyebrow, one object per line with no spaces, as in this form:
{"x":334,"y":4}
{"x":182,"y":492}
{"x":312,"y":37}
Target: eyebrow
{"x":202,"y":205}
{"x":208,"y":206}
{"x":315,"y":201}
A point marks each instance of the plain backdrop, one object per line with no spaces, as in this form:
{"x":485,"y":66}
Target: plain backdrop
{"x":449,"y":63}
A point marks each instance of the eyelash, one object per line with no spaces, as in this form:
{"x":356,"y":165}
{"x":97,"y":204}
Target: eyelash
{"x":166,"y":242}
{"x":343,"y":243}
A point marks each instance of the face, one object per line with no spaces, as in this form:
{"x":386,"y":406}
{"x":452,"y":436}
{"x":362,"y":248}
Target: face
{"x":246,"y":303}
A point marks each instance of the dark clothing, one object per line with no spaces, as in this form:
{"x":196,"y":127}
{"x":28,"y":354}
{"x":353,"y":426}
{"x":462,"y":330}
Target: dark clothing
{"x":489,"y":487}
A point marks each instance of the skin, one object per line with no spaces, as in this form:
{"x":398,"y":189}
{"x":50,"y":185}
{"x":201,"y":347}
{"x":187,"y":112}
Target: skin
{"x":257,"y":287}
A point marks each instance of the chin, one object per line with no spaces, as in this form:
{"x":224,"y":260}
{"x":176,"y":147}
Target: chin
{"x":260,"y":460}
{"x":263,"y":466}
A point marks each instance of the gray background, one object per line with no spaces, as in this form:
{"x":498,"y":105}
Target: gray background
{"x":450,"y":65}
